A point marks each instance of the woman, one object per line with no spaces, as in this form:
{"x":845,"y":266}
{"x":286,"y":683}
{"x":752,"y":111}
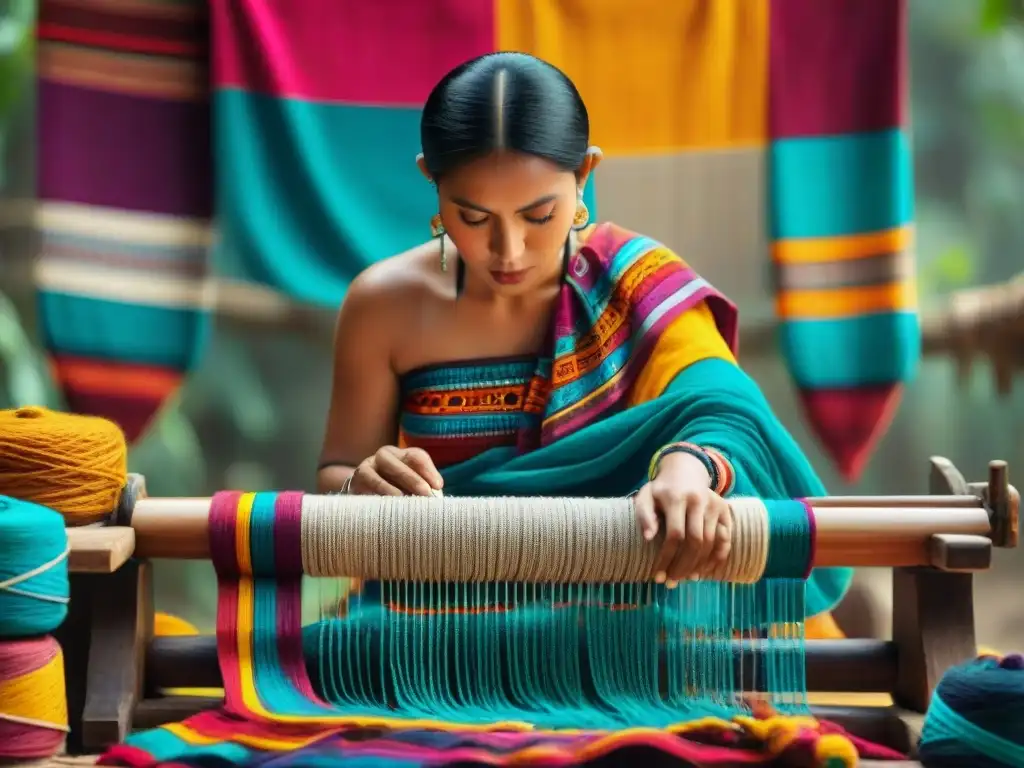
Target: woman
{"x":525,"y":350}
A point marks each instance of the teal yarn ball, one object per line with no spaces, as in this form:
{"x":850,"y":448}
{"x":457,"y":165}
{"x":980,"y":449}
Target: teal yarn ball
{"x":976,"y":717}
{"x":34,"y":588}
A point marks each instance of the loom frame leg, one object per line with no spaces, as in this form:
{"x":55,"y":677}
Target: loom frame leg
{"x":933,"y":613}
{"x":104,"y":639}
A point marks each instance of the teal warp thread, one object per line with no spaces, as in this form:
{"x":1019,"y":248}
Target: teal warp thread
{"x":34,"y":587}
{"x":558,"y":656}
{"x":976,"y":716}
{"x":591,"y":656}
{"x":789,"y":540}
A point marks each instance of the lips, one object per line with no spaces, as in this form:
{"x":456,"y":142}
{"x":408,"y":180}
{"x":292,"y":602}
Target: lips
{"x":509,"y":278}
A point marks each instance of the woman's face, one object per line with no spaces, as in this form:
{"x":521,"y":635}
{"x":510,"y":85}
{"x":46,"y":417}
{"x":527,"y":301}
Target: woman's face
{"x":509,"y":216}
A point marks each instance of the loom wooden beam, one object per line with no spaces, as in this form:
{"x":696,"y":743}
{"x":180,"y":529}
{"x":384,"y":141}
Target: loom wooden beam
{"x":96,"y":549}
{"x":933,"y":608}
{"x":869,"y":532}
{"x":851,"y":666}
{"x":985,"y":322}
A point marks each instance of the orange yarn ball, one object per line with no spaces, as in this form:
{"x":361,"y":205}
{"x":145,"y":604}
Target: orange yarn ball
{"x":168,"y":625}
{"x":835,"y":751}
{"x":76,"y":465}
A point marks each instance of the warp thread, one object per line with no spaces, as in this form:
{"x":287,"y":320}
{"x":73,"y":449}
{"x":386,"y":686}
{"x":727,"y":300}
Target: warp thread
{"x":70,"y":463}
{"x":976,"y":717}
{"x":33,"y":707}
{"x":34,"y":587}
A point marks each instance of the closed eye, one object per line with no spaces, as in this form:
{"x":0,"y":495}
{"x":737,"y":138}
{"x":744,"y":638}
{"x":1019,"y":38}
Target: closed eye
{"x":540,"y":220}
{"x":471,"y":221}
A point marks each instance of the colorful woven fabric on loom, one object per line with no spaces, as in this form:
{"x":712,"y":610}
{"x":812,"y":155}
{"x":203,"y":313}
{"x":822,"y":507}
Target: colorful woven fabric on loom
{"x":126,"y":195}
{"x":690,"y":100}
{"x":343,"y":708}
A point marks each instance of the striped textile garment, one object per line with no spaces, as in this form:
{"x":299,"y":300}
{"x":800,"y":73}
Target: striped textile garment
{"x":125,"y":199}
{"x":724,"y":125}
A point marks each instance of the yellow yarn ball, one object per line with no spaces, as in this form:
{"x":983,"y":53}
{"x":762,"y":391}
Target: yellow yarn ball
{"x":76,"y":465}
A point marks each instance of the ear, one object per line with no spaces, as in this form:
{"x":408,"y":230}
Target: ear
{"x":590,"y":162}
{"x":422,"y":165}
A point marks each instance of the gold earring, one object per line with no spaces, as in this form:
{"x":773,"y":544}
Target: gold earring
{"x":437,"y":230}
{"x":582,"y":216}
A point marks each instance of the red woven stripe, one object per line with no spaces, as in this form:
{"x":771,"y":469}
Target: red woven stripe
{"x":125,"y":43}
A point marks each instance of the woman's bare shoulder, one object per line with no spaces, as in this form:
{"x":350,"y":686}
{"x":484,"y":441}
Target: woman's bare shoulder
{"x":395,"y":290}
{"x":403,"y":277}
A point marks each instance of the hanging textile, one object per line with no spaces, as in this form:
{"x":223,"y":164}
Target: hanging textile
{"x":841,"y":214}
{"x":317,"y":111}
{"x":124,"y":182}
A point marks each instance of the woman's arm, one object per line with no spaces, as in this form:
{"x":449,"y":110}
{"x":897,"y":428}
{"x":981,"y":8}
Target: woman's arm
{"x":364,"y":390}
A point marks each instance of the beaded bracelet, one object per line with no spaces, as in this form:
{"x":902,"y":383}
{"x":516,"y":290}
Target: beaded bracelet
{"x":719,"y":469}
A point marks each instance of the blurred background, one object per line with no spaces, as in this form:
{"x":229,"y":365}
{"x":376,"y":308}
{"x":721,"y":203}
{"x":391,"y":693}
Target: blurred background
{"x":251,"y":413}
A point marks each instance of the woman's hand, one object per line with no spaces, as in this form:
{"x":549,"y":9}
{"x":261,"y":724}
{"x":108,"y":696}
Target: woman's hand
{"x":395,"y":471}
{"x":697,"y":521}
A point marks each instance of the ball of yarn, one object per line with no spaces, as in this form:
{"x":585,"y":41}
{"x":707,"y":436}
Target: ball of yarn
{"x":34,"y":587}
{"x":73,"y":464}
{"x":976,"y":716}
{"x":33,"y":706}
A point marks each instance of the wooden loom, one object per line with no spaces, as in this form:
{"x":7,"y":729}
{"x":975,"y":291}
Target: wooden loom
{"x":116,"y":669}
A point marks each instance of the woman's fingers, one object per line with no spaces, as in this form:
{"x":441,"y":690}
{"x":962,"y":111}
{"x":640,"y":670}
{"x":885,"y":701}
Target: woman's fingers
{"x":723,"y":534}
{"x":671,"y":507}
{"x":367,"y":482}
{"x":390,"y":466}
{"x":698,"y":532}
{"x":688,"y":556}
{"x":421,"y":463}
{"x":643,"y":510}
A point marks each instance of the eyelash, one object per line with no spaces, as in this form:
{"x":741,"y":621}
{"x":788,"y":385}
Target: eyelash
{"x":481,"y":222}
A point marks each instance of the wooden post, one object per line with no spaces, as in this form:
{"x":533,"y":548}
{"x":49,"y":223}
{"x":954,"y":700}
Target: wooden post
{"x":104,"y":639}
{"x":933,"y":609}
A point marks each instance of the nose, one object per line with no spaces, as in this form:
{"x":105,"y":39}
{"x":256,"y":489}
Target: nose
{"x":508,"y":242}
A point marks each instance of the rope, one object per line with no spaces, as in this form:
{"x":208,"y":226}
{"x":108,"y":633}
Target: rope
{"x":554,"y":540}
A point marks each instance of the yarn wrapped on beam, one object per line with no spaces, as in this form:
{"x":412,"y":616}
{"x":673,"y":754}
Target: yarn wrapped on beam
{"x":894,"y":531}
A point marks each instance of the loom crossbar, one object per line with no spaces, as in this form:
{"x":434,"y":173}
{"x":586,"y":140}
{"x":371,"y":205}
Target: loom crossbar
{"x":859,"y":535}
{"x":852,"y":666}
{"x":118,"y":674}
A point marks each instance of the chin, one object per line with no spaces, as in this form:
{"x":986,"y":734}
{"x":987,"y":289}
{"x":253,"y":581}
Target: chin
{"x":518,"y":289}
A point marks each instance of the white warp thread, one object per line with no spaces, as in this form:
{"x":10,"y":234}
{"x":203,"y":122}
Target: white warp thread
{"x":547,"y":540}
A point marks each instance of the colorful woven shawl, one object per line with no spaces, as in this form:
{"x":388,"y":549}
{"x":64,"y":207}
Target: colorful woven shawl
{"x":126,"y":196}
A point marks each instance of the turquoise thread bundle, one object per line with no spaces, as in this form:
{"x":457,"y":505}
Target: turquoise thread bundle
{"x":976,"y":718}
{"x":560,"y":656}
{"x":34,"y":596}
{"x":596,"y":656}
{"x":34,"y":588}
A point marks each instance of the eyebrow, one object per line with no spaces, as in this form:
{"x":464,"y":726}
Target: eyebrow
{"x":536,"y":203}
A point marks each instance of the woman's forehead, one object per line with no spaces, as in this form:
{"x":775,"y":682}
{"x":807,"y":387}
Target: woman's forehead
{"x":513,"y":178}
